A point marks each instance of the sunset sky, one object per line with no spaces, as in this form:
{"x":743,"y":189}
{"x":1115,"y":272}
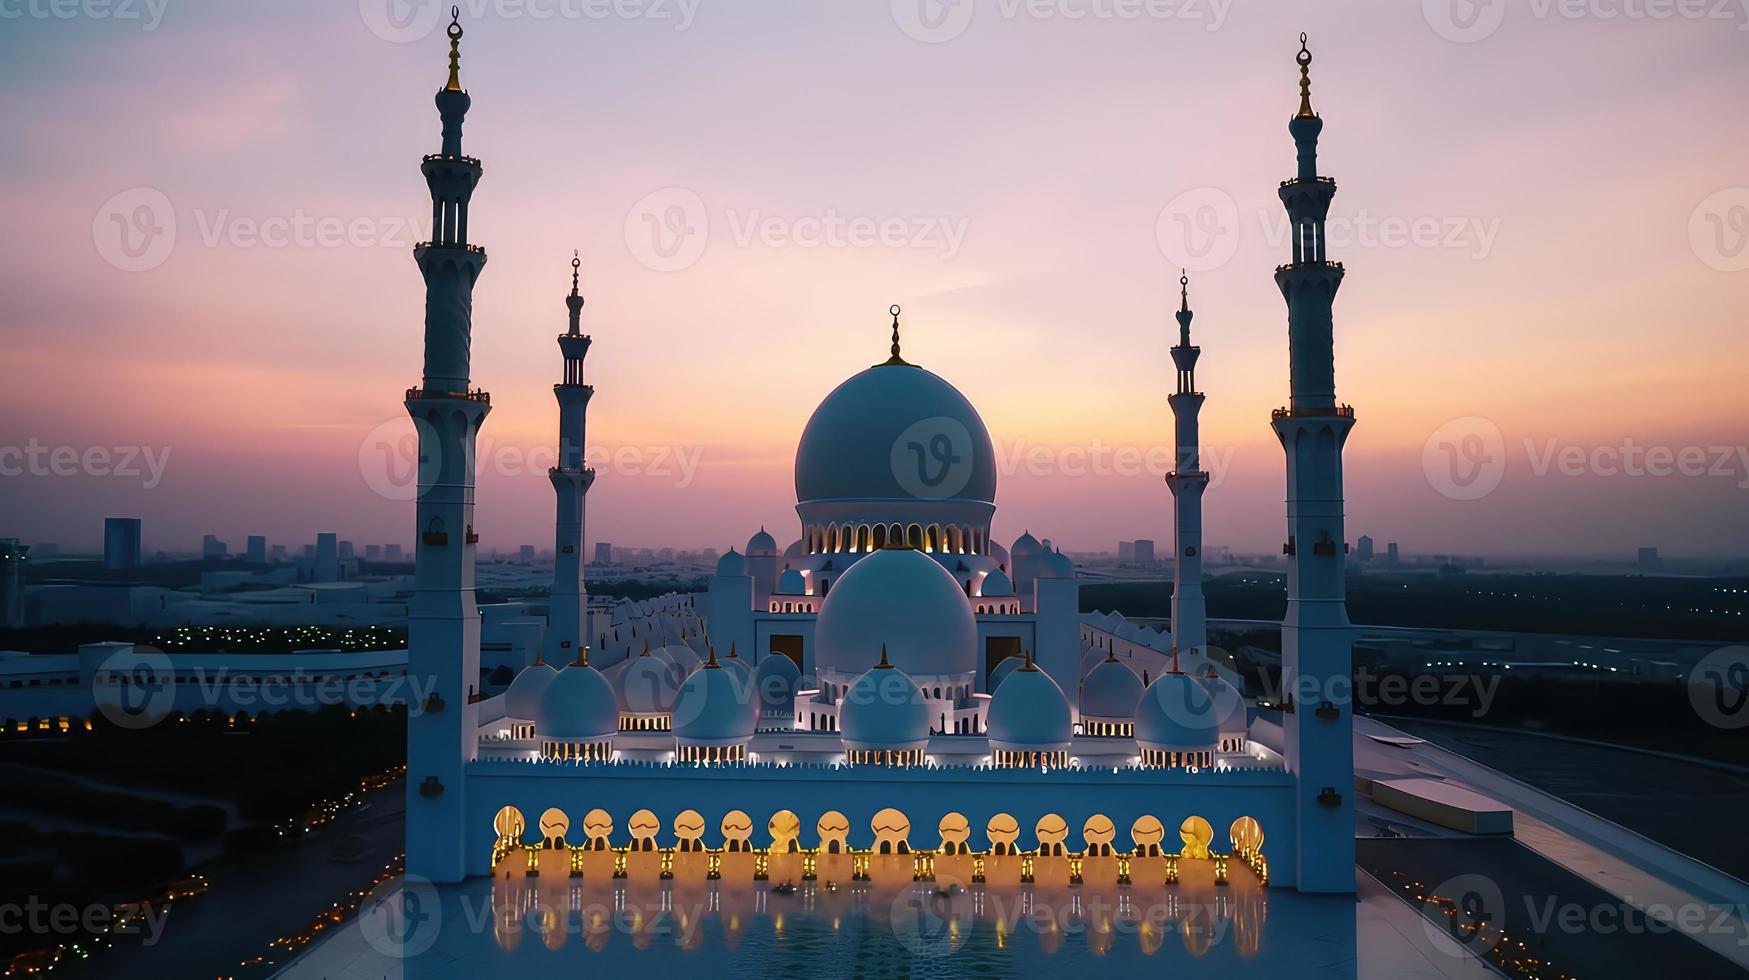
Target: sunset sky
{"x":1543,"y":220}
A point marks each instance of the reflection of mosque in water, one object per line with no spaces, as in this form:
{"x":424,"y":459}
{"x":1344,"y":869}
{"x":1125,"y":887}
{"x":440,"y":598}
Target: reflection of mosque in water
{"x":625,"y":898}
{"x":690,"y":896}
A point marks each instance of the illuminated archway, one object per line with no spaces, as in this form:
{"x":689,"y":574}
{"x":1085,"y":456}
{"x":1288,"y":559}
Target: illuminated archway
{"x":1003,"y":831}
{"x":644,"y":827}
{"x":1195,"y":834}
{"x":1052,"y":830}
{"x":737,"y":827}
{"x":955,"y":829}
{"x":553,"y":825}
{"x":689,"y":830}
{"x":892,"y":830}
{"x":597,"y":828}
{"x":833,"y":828}
{"x":784,"y":827}
{"x":510,"y":825}
{"x":1148,"y":833}
{"x":1098,"y":832}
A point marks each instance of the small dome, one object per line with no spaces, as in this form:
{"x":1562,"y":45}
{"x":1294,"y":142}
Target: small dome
{"x":1111,"y":690}
{"x":1230,"y":716}
{"x":522,"y":697}
{"x":762,"y":543}
{"x":996,"y":583}
{"x":883,"y":709}
{"x":715,"y":707}
{"x":1057,"y":565}
{"x":903,"y":600}
{"x":732,"y":564}
{"x":1026,"y":546}
{"x":646,"y":685}
{"x":797,"y":549}
{"x":577,"y":706}
{"x":1007,"y":666}
{"x":791,"y":582}
{"x":1030,"y":713}
{"x":1176,"y":715}
{"x":776,"y":678}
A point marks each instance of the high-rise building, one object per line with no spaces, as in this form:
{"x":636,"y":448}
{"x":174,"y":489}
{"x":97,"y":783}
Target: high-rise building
{"x":1126,"y":551}
{"x":211,"y":548}
{"x":1363,"y":548}
{"x":1391,"y":556}
{"x":1648,"y":560}
{"x":1145,"y":552}
{"x":372,"y":552}
{"x":277,"y":553}
{"x":1316,"y":637}
{"x":525,"y":554}
{"x":603,"y":553}
{"x":327,"y":557}
{"x":256,"y":551}
{"x":12,"y":558}
{"x":391,"y":552}
{"x":346,"y":551}
{"x":121,"y":543}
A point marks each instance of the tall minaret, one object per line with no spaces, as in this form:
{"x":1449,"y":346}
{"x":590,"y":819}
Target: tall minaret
{"x":1187,"y":482}
{"x":1316,"y":639}
{"x":443,"y":628}
{"x":566,"y":616}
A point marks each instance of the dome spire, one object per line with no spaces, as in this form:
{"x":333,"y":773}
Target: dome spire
{"x":1305,"y":60}
{"x":712,"y":662}
{"x":1029,"y":666}
{"x":895,"y":359}
{"x":884,"y":664}
{"x":582,"y":656}
{"x":455,"y":50}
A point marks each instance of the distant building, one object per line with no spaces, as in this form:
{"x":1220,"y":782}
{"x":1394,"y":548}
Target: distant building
{"x":1144,"y":551}
{"x":121,"y":543}
{"x":603,"y":553}
{"x":12,"y":558}
{"x":372,"y":552}
{"x":1649,"y":560}
{"x":277,"y":553}
{"x":327,"y":567}
{"x":1363,"y":548}
{"x":211,"y":547}
{"x":256,"y":551}
{"x":392,"y":552}
{"x":525,"y":554}
{"x":346,"y":551}
{"x":1391,"y":556}
{"x":1126,"y":551}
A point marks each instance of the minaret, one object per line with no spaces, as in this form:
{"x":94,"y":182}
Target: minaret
{"x":1187,"y":482}
{"x":567,"y":615}
{"x":1316,"y":639}
{"x":443,"y":628}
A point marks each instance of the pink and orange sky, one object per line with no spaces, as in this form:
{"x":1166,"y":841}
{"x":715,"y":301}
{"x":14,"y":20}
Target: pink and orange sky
{"x":1543,"y":212}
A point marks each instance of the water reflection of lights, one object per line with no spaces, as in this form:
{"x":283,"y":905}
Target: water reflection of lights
{"x":667,"y":900}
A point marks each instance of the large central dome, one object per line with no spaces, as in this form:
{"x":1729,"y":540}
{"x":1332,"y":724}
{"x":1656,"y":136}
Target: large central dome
{"x":895,"y":432}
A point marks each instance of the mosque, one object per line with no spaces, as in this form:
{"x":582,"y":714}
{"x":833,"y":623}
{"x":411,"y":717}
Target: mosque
{"x":892,"y":681}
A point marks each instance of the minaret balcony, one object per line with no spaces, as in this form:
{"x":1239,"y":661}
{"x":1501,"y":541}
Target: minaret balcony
{"x":1321,"y":180}
{"x":451,"y":158}
{"x":1298,"y":266}
{"x":472,"y":249}
{"x":472,"y":395}
{"x":1321,"y":411}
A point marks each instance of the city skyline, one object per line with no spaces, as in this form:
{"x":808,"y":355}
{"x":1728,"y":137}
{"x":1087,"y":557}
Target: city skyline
{"x":255,"y":374}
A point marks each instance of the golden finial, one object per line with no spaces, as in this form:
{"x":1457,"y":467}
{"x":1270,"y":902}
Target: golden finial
{"x":455,"y":50}
{"x":1184,"y":290}
{"x":537,"y":660}
{"x":582,"y":656}
{"x":884,"y":664}
{"x":646,"y":652}
{"x":712,"y":662}
{"x":1029,"y":666}
{"x":895,"y":359}
{"x":576,"y":266}
{"x":1305,"y":60}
